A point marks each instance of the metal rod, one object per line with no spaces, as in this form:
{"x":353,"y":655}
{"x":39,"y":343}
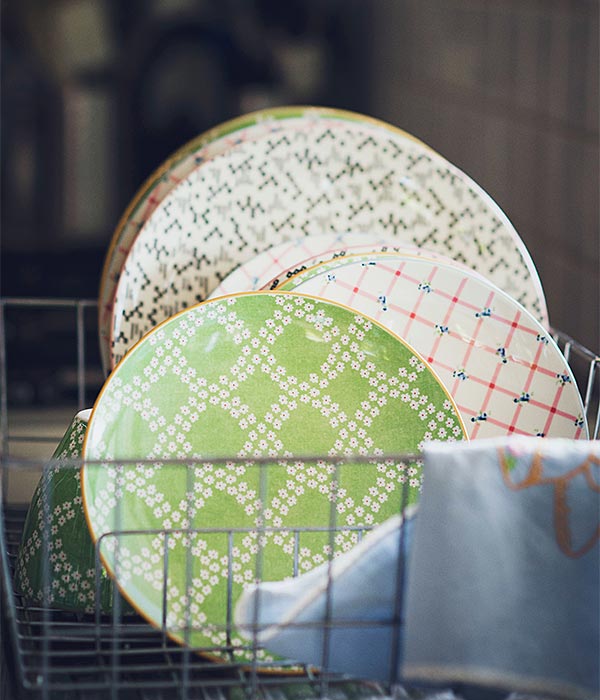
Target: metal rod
{"x":258,"y":576}
{"x":588,"y":398}
{"x":185,"y":671}
{"x":325,"y":653}
{"x":10,"y":609}
{"x":45,"y":303}
{"x":165,"y":586}
{"x":80,"y":356}
{"x":11,"y":613}
{"x":115,"y":661}
{"x":229,"y":617}
{"x":3,"y":395}
{"x":34,"y":438}
{"x":257,"y":462}
{"x":98,"y":589}
{"x":559,"y":336}
{"x":296,"y":551}
{"x":46,"y":587}
{"x":116,"y":598}
{"x":397,"y":617}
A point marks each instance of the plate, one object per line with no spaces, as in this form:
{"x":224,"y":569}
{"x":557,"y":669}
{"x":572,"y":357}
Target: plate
{"x":314,"y":175}
{"x":502,"y":368}
{"x":260,"y":270}
{"x":255,"y":375}
{"x":170,"y":173}
{"x":155,"y":189}
{"x":270,"y":268}
{"x":71,"y":574}
{"x":271,"y":272}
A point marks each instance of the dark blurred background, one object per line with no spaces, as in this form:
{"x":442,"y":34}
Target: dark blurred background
{"x":97,"y":93}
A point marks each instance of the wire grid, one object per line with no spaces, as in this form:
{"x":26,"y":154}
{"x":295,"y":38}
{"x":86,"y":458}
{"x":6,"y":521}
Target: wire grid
{"x":56,"y":653}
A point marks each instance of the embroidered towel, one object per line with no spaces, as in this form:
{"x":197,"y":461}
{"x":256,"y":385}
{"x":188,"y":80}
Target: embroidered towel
{"x":501,"y":579}
{"x":503,"y":582}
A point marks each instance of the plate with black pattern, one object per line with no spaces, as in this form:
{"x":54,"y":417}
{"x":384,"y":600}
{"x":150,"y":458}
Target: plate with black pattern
{"x":169,"y":174}
{"x":288,"y":378}
{"x":312,"y":176}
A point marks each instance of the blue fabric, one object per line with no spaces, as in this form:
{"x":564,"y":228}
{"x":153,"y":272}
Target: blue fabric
{"x":502,"y":579}
{"x":360,"y":588}
{"x":503,"y":587}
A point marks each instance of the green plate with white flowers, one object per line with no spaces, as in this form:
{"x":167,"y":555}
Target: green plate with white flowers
{"x":279,"y":376}
{"x":56,"y":562}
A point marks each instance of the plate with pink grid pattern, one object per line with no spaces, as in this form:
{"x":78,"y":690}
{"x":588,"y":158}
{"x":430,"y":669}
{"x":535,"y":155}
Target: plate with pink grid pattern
{"x":291,"y":257}
{"x":502,"y":368}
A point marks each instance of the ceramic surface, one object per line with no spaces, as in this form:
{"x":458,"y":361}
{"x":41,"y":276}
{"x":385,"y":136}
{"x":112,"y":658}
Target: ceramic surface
{"x":313,"y":176}
{"x":259,"y":374}
{"x":502,"y":368}
{"x":269,"y":269}
{"x":71,"y":575}
{"x":152,"y":193}
{"x":290,"y":257}
{"x":170,"y":173}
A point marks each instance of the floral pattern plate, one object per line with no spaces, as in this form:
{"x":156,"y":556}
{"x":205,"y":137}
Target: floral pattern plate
{"x":218,"y":140}
{"x":502,"y":368}
{"x":280,"y":376}
{"x":70,"y":580}
{"x":313,"y":175}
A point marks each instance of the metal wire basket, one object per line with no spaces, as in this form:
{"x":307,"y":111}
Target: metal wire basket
{"x":49,"y":652}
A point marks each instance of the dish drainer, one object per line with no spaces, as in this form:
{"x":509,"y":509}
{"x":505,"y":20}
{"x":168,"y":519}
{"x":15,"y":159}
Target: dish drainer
{"x":51,"y":653}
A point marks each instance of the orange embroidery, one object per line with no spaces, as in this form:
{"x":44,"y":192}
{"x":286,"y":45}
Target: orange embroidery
{"x":561,"y":485}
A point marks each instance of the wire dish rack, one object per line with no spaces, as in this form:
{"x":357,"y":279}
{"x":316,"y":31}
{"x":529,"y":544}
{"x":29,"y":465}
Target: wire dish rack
{"x":49,"y":361}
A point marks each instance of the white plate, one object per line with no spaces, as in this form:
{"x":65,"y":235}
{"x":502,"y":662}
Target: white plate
{"x":169,"y":174}
{"x":273,"y":266}
{"x":502,"y":368}
{"x":162,"y":181}
{"x":299,"y":253}
{"x":314,"y":175}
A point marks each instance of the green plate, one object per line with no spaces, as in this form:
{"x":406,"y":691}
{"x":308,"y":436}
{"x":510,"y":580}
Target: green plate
{"x":272,"y":375}
{"x":70,"y":579}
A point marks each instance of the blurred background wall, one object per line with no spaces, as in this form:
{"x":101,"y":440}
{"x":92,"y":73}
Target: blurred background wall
{"x":96,"y":93}
{"x":508,"y":91}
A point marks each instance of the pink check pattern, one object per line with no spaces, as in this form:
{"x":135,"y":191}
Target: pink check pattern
{"x":496,"y":360}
